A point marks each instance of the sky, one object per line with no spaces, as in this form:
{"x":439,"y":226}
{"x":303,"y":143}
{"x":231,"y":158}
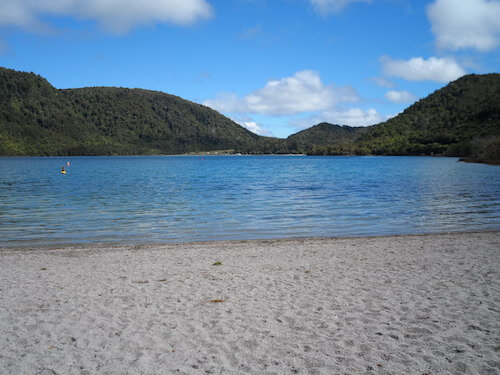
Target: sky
{"x":273,"y":66}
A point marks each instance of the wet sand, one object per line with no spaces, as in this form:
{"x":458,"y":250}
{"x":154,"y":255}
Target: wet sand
{"x":419,"y":304}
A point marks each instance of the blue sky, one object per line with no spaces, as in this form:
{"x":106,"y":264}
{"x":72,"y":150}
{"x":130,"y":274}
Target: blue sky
{"x":274,"y":66}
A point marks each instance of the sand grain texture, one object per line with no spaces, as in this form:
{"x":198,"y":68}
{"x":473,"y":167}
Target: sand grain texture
{"x":386,"y":305}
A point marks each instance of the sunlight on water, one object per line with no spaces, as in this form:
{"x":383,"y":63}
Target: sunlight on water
{"x":173,"y":199}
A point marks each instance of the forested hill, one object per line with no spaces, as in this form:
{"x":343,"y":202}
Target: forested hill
{"x":37,"y":119}
{"x":325,"y":139}
{"x":461,"y":119}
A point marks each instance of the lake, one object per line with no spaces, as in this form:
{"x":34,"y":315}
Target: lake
{"x":161,"y":199}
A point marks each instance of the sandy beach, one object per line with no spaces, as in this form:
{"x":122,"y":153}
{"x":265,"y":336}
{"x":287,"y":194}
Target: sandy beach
{"x":419,"y":304}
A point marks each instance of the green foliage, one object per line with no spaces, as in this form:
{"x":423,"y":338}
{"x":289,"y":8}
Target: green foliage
{"x":461,"y":119}
{"x":444,"y":123}
{"x":485,"y":150}
{"x":37,"y":119}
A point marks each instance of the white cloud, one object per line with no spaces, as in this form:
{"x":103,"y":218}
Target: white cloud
{"x":465,"y":24}
{"x":354,"y":117}
{"x":351,"y":117}
{"x":400,"y":96}
{"x":249,"y":123}
{"x":419,"y":69}
{"x":256,"y":128}
{"x":117,"y":16}
{"x":302,"y":92}
{"x":332,"y":6}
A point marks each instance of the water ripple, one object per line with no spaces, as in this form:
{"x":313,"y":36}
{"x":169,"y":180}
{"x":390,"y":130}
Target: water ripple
{"x":165,"y":199}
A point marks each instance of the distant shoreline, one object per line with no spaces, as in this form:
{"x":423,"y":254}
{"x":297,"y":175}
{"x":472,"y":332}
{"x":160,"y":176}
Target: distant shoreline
{"x":459,"y":119}
{"x":209,"y":153}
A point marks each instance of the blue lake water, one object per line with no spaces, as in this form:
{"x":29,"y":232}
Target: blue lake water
{"x":193,"y":198}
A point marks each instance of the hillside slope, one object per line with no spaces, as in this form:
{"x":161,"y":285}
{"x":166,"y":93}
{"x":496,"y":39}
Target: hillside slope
{"x":324,"y":138}
{"x":37,"y":119}
{"x":448,"y":122}
{"x":461,"y":119}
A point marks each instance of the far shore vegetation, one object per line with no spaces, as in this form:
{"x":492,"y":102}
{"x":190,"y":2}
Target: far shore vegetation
{"x":461,"y":119}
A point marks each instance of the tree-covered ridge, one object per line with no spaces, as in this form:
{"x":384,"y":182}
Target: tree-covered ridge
{"x":325,"y":138}
{"x":163,"y":123}
{"x":445,"y":122}
{"x":30,"y":111}
{"x":461,"y":119}
{"x":37,"y":119}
